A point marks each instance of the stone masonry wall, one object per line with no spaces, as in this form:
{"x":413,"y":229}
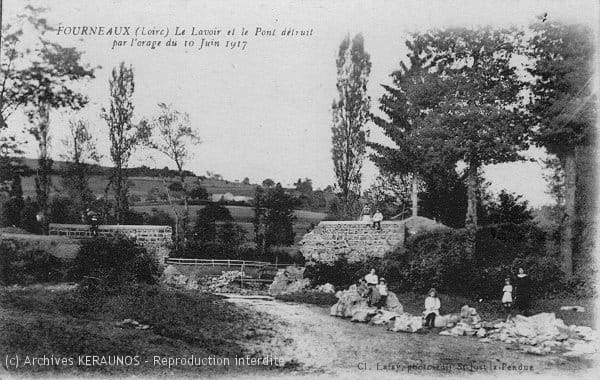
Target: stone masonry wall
{"x":355,"y":240}
{"x":157,"y":239}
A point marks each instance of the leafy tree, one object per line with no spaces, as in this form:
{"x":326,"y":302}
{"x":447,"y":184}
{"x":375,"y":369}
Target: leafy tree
{"x":258,"y":220}
{"x":41,"y":83}
{"x":198,"y":193}
{"x":268,"y":183}
{"x":175,"y":135}
{"x":390,"y":193}
{"x":508,"y":208}
{"x":11,"y":209}
{"x":231,"y":235}
{"x":124,"y":134}
{"x":279,"y":217}
{"x":350,"y":114}
{"x":63,"y":210}
{"x":206,"y":221}
{"x":478,"y":119}
{"x":413,"y":96}
{"x":80,"y":154}
{"x":564,"y":106}
{"x":246,"y":181}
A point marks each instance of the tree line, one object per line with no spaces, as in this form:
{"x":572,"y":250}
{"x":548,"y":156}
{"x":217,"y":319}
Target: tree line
{"x":463,"y":99}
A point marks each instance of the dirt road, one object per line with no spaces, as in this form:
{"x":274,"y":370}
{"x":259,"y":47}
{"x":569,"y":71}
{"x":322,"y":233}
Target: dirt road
{"x":307,"y":335}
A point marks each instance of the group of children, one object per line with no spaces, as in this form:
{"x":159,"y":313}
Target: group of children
{"x":376,"y":291}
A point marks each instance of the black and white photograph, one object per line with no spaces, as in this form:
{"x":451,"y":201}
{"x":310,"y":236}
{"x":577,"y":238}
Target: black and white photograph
{"x":318,"y":189}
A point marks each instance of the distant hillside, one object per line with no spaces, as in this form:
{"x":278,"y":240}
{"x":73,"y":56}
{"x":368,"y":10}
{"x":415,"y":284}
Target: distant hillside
{"x":142,"y":180}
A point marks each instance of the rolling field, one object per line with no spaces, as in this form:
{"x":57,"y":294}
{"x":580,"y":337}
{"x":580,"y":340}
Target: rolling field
{"x":243,"y":217}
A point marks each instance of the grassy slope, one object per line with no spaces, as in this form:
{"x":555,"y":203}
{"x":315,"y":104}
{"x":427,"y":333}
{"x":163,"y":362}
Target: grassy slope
{"x":64,"y":323}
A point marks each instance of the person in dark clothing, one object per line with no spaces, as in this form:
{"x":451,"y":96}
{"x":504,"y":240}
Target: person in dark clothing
{"x":523,"y":292}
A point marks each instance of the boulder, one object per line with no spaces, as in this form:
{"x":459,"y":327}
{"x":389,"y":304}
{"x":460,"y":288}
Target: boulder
{"x":392,"y":303}
{"x":407,"y":323}
{"x":348,"y":301}
{"x":326,"y":288}
{"x":383,"y":317}
{"x":363,"y":314}
{"x":289,"y":280}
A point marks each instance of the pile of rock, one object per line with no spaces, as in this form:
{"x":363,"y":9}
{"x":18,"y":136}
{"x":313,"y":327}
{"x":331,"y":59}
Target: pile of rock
{"x":544,"y":333}
{"x":349,"y":301}
{"x":325,"y":288}
{"x":351,"y":304}
{"x":225,"y":283}
{"x":289,"y":280}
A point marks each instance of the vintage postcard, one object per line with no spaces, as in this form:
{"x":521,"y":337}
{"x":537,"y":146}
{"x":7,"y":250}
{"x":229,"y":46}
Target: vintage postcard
{"x":320,"y":189}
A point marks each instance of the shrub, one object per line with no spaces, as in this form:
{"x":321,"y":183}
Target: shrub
{"x":437,"y":259}
{"x":114,"y":262}
{"x":340,"y":274}
{"x":22,"y":266}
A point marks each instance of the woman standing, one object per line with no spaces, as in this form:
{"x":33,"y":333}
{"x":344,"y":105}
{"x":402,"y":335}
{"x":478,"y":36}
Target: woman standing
{"x":523,"y":292}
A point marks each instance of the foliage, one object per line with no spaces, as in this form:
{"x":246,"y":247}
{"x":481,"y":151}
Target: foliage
{"x":273,"y":217}
{"x":198,"y":193}
{"x":124,"y":134}
{"x":268,"y":183}
{"x":507,"y":208}
{"x":350,"y":114}
{"x":340,"y":273}
{"x":19,"y":265}
{"x":206,"y":221}
{"x":115,"y":262}
{"x":564,"y":110}
{"x":175,"y":136}
{"x":438,"y":259}
{"x":63,"y":210}
{"x":80,"y":153}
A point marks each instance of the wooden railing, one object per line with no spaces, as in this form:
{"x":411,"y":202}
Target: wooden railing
{"x":224,"y":262}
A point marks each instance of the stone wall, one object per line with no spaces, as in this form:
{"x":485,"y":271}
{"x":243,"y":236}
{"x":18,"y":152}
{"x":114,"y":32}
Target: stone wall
{"x":156,"y":239}
{"x":354,"y":240}
{"x":359,"y":240}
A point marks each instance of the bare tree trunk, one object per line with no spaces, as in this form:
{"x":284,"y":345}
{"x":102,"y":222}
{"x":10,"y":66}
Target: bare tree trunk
{"x":177,"y":245}
{"x":471,"y":217}
{"x":568,"y":222}
{"x":414,"y":196}
{"x":186,"y":207}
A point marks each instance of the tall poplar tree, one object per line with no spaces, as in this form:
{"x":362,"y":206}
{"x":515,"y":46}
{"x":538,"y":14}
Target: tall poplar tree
{"x":350,"y":114}
{"x":124,"y":134}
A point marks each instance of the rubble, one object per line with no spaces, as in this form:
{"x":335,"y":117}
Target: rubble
{"x":363,"y":314}
{"x":289,"y":280}
{"x":325,"y":288}
{"x":131,"y":324}
{"x":579,"y":309}
{"x":348,"y":301}
{"x":407,"y":323}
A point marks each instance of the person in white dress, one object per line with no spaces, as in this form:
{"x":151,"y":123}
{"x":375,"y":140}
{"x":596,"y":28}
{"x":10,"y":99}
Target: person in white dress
{"x":507,"y":299}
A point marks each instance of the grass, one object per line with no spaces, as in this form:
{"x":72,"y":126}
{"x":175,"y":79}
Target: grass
{"x":38,"y":321}
{"x":314,"y":298}
{"x":488,"y":310}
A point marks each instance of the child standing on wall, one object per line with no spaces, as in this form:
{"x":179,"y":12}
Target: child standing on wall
{"x":507,"y":298}
{"x":432,"y":308}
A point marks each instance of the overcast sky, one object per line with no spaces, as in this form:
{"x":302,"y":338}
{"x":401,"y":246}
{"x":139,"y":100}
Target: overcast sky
{"x":266,"y":111}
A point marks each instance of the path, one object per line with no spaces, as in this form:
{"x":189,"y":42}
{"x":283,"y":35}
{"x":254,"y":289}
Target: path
{"x":320,"y":342}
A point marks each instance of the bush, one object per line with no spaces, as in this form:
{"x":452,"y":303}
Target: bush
{"x":114,"y":262}
{"x":340,"y":274}
{"x":26,"y":266}
{"x":438,"y":259}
